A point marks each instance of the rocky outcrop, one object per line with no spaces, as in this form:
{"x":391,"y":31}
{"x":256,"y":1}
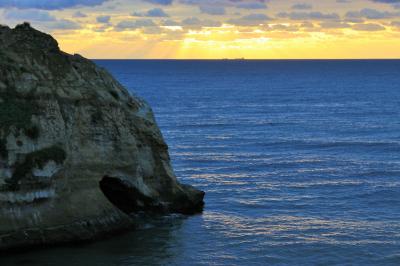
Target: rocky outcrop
{"x":78,"y":153}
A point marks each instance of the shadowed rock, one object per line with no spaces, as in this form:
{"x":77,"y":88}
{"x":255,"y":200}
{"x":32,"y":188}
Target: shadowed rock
{"x":78,"y":153}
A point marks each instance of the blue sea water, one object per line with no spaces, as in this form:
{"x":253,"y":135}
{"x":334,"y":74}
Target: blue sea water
{"x":300,"y":161}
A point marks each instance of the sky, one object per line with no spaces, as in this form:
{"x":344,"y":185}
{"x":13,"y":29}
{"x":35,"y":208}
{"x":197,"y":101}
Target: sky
{"x":206,"y":29}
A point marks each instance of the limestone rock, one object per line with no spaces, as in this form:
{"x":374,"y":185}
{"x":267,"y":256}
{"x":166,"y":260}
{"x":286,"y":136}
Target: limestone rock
{"x":78,"y":153}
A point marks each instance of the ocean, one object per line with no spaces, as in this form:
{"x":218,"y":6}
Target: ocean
{"x":300,"y":161}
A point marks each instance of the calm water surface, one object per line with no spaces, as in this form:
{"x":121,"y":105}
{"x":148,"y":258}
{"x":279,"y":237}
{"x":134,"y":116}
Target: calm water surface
{"x":300,"y":161}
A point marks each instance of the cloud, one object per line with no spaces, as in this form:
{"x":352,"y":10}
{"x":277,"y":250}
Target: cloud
{"x":302,"y":6}
{"x":28,"y":15}
{"x":191,"y":21}
{"x":307,"y":25}
{"x":103,"y":19}
{"x":282,"y":27}
{"x":156,"y":12}
{"x":134,"y":24}
{"x":63,"y":24}
{"x":170,"y":23}
{"x":250,"y":20}
{"x":334,"y":25}
{"x":255,"y":5}
{"x":368,"y":27}
{"x":79,"y":14}
{"x":160,"y":2}
{"x":369,"y":13}
{"x":212,"y":10}
{"x":194,"y":22}
{"x":43,"y":18}
{"x":308,"y":15}
{"x":48,"y":5}
{"x":242,"y":4}
{"x":387,"y":1}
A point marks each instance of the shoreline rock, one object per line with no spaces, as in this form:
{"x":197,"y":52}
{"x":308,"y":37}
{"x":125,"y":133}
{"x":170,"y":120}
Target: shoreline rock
{"x":78,"y":153}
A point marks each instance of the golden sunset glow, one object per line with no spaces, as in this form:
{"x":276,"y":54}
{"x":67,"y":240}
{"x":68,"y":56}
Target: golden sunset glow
{"x":251,"y":29}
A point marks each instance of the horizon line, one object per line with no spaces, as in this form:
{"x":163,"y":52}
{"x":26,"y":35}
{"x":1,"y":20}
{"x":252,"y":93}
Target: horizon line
{"x":250,"y":59}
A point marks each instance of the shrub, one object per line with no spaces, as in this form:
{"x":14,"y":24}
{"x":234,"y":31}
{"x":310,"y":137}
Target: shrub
{"x":32,"y":132}
{"x":15,"y":111}
{"x":35,"y":159}
{"x":3,"y":149}
{"x":115,"y":95}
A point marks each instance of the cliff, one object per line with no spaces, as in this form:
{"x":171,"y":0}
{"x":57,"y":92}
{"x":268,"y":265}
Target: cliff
{"x":78,"y":153}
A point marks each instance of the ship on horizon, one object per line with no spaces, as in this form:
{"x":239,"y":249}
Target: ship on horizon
{"x":236,"y":59}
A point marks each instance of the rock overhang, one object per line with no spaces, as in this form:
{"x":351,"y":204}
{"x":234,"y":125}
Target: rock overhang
{"x":69,"y":132}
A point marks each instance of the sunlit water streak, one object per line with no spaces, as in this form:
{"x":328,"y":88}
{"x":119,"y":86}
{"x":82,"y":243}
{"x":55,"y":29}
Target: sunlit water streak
{"x":300,"y":161}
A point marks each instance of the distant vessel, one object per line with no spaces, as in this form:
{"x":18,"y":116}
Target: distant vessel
{"x":236,"y":59}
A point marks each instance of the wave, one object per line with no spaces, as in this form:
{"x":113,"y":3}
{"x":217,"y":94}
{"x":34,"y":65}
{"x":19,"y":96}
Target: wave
{"x":394,"y":145}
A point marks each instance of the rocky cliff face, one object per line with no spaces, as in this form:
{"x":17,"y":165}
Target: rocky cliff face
{"x":77,"y":151}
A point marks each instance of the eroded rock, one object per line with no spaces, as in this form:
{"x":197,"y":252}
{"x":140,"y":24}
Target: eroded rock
{"x":77,"y":151}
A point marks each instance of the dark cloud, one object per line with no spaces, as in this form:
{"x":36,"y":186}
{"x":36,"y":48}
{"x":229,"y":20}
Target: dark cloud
{"x":368,"y":27}
{"x":63,"y":24}
{"x":387,"y":1}
{"x":250,"y":20}
{"x":103,"y":19}
{"x":156,"y":12}
{"x":28,"y":15}
{"x":302,"y":6}
{"x":160,"y":2}
{"x":334,"y":25}
{"x":212,"y":10}
{"x":196,"y":23}
{"x":169,"y":22}
{"x":254,"y":5}
{"x":134,"y":24}
{"x":242,"y":4}
{"x":369,"y":13}
{"x":43,"y":19}
{"x":48,"y":5}
{"x":79,"y":14}
{"x":308,"y":15}
{"x":153,"y":13}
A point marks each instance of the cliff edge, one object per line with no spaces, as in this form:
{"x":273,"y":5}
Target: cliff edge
{"x":78,"y":153}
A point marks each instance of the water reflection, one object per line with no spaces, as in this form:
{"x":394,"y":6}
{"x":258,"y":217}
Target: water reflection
{"x":156,"y":241}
